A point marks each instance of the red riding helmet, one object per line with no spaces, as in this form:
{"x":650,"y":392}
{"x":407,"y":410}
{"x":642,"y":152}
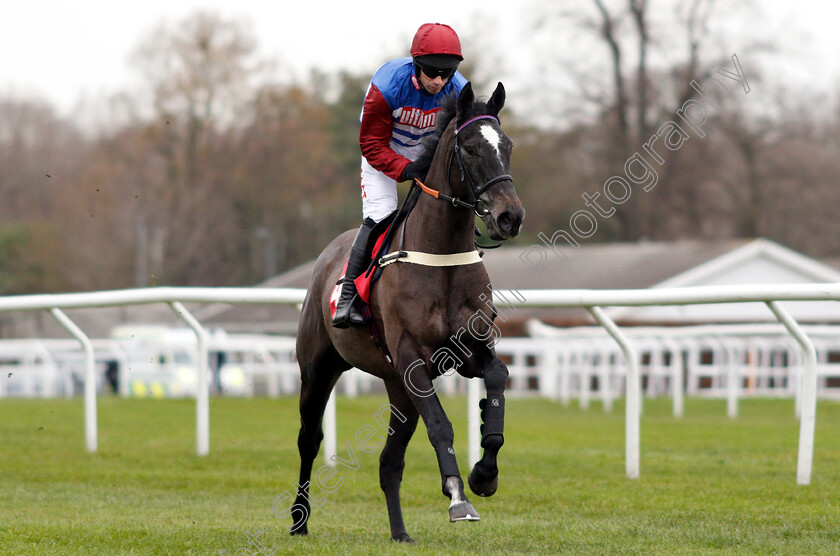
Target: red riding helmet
{"x":436,"y":38}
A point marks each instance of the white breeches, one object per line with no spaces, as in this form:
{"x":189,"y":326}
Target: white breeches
{"x":379,"y":193}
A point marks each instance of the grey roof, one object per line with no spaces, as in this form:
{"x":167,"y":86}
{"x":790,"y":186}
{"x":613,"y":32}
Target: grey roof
{"x":833,"y":263}
{"x":595,"y":266}
{"x":591,"y":266}
{"x":269,"y":319}
{"x":600,"y":266}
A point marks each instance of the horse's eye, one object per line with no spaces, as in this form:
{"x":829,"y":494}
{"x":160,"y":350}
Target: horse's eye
{"x":470,"y":151}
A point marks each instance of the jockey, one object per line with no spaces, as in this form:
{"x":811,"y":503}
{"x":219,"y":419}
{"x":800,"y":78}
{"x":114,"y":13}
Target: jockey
{"x":400,"y":109}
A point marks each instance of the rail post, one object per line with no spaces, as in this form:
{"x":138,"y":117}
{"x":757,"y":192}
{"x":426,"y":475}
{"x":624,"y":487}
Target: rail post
{"x":329,"y":427}
{"x":202,"y":394}
{"x":808,"y":393}
{"x":632,"y":413}
{"x":91,"y":434}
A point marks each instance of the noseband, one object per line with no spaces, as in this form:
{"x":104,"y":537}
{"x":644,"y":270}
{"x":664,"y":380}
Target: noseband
{"x":467,"y":177}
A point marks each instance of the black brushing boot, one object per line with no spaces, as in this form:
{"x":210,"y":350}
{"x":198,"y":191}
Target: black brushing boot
{"x":346,"y":313}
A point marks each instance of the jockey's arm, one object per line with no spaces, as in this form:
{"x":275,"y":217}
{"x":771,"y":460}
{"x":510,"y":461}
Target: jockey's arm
{"x":375,"y":136}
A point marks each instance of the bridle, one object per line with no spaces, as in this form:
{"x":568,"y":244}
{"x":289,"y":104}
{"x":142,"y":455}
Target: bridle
{"x":467,"y":176}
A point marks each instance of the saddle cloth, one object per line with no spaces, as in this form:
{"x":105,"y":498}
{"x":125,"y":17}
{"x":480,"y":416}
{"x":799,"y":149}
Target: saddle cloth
{"x":378,"y":243}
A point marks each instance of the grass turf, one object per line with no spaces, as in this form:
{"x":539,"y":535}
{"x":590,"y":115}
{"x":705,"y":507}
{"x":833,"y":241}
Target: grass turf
{"x":709,"y":485}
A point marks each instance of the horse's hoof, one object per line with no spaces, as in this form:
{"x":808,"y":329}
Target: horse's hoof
{"x":300,"y":519}
{"x":463,"y":511}
{"x":402,"y":537}
{"x":482,"y":485}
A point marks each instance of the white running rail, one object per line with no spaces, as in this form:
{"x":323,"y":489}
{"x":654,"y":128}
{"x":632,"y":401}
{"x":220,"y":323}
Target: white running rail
{"x":174,"y":297}
{"x":595,"y":300}
{"x":592,"y":300}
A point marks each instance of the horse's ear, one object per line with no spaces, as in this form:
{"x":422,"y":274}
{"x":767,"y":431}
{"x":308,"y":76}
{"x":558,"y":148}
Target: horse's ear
{"x":465,"y":101}
{"x":497,"y":100}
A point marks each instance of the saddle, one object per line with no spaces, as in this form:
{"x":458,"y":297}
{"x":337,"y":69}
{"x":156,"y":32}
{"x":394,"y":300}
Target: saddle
{"x":381,"y":237}
{"x":379,"y":243}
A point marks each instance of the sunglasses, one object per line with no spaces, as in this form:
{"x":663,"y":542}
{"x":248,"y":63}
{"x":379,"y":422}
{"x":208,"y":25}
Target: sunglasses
{"x":432,"y":72}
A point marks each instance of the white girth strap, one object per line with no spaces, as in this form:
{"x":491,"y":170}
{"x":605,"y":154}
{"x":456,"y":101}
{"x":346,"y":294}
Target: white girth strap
{"x":429,"y":259}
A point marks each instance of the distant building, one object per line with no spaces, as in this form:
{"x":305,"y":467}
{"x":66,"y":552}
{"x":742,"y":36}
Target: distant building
{"x":595,"y":266}
{"x":666,"y":264}
{"x":606,"y":266}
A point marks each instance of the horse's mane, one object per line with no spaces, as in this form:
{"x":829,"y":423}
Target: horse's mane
{"x":448,"y":107}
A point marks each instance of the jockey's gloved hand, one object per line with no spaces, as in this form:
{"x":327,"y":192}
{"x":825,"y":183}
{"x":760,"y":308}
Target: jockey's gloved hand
{"x":412,"y":172}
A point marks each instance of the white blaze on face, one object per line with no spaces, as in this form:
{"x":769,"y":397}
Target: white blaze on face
{"x":492,"y":137}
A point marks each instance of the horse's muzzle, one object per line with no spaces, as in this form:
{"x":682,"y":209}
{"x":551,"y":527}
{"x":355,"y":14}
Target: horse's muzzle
{"x":505,"y":214}
{"x":510,"y":221}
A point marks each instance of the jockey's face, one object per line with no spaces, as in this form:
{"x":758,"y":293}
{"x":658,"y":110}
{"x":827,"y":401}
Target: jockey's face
{"x":432,"y":85}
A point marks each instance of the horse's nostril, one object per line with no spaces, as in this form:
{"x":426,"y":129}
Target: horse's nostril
{"x":510,"y":221}
{"x":505,"y":221}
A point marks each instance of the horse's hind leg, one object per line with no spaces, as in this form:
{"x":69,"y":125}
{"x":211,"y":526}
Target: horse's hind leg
{"x":392,"y":461}
{"x":318,"y":377}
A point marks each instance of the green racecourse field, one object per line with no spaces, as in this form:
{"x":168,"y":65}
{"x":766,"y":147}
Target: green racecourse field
{"x":709,"y":485}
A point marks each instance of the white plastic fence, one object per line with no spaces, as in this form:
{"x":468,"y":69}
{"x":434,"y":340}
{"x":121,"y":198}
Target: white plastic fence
{"x":729,"y":361}
{"x":592,"y":300}
{"x":770,"y":295}
{"x":172,"y":296}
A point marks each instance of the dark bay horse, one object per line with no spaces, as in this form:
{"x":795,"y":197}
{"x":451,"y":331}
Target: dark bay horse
{"x":433,"y":316}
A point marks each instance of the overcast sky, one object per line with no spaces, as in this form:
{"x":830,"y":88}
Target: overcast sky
{"x":64,"y":51}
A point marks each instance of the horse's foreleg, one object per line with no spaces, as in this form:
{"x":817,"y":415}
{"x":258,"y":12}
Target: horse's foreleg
{"x":483,"y":478}
{"x":421,"y":391}
{"x":392,"y":461}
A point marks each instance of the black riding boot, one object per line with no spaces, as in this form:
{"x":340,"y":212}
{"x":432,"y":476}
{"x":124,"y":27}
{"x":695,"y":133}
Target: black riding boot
{"x":346,"y":313}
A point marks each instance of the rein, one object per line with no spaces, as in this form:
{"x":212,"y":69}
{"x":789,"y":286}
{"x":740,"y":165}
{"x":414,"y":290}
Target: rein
{"x":456,"y":202}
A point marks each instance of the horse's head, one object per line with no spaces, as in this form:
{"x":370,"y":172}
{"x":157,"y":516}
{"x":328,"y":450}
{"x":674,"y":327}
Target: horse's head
{"x":483,"y":151}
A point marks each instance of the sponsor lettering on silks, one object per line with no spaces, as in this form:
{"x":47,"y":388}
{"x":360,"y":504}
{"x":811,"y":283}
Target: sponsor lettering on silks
{"x":416,"y":117}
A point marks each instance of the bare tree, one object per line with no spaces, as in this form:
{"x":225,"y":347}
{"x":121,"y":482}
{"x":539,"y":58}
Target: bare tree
{"x":628,"y":104}
{"x":40,"y":158}
{"x":38,"y":153}
{"x":199,"y":74}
